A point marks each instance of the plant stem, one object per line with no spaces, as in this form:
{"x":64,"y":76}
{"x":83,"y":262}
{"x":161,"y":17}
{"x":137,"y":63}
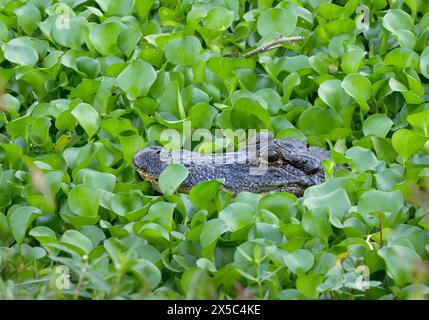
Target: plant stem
{"x":81,"y":278}
{"x":381,"y":232}
{"x":78,"y":286}
{"x":276,"y":43}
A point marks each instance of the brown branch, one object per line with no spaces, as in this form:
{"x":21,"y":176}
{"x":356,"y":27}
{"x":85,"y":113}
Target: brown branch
{"x":276,"y":43}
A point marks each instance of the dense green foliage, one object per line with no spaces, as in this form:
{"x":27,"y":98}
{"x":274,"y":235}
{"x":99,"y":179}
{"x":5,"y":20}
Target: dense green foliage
{"x":87,"y":83}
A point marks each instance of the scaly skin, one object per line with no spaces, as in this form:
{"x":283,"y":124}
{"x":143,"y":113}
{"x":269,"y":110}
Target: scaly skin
{"x":291,"y":166}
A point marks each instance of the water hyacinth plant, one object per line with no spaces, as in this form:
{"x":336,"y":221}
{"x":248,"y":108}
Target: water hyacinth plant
{"x":85,"y":84}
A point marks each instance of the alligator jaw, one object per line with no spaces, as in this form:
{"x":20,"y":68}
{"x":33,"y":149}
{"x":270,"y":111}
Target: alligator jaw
{"x":152,"y":179}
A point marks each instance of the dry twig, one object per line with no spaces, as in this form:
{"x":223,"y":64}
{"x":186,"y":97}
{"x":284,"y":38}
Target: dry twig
{"x":276,"y":43}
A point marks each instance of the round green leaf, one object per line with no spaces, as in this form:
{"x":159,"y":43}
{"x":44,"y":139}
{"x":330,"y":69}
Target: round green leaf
{"x":172,"y":177}
{"x":148,"y":274}
{"x":137,"y":79}
{"x":299,"y":261}
{"x":211,"y":231}
{"x":84,"y":200}
{"x":219,"y":19}
{"x":123,"y":203}
{"x":396,"y":20}
{"x":70,"y":35}
{"x":20,"y":53}
{"x":332,"y":93}
{"x":276,"y":20}
{"x":249,"y":113}
{"x":420,"y":119}
{"x":237,"y":216}
{"x":319,"y":121}
{"x":380,"y":201}
{"x":77,"y":241}
{"x":104,"y":37}
{"x":96,"y":179}
{"x":203,"y":193}
{"x":162,"y":213}
{"x":183,"y":50}
{"x":358,"y":87}
{"x":87,"y":117}
{"x":316,"y":223}
{"x":336,"y":201}
{"x":28,"y":16}
{"x":424,"y":62}
{"x":362,"y":159}
{"x":407,"y":143}
{"x":377,"y":125}
{"x":20,"y":220}
{"x":202,"y":115}
{"x":401,"y":263}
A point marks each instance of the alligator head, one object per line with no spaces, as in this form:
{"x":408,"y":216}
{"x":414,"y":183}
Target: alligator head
{"x":285,"y":165}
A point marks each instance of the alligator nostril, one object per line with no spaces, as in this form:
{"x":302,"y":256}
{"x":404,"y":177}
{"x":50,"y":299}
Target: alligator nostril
{"x":273,"y":156}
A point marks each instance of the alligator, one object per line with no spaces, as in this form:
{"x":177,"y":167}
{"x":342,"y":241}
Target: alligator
{"x":285,"y":165}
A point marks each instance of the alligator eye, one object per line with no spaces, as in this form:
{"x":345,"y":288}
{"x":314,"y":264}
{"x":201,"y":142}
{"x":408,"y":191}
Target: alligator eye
{"x":273,"y":156}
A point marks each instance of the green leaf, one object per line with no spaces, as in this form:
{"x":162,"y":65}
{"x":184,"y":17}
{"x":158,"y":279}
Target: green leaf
{"x":281,"y":206}
{"x":219,"y":19}
{"x":104,"y":37}
{"x":424,"y":62}
{"x":43,"y":234}
{"x":237,"y":216}
{"x":316,"y":223}
{"x":336,"y":201}
{"x":123,"y":203}
{"x":119,"y":8}
{"x":249,"y":113}
{"x":84,"y":200}
{"x":377,"y":125}
{"x":420,"y":120}
{"x":77,"y":241}
{"x":299,"y":261}
{"x":361,"y":159}
{"x":69,"y":35}
{"x":396,"y":20}
{"x":20,"y":220}
{"x":319,"y":121}
{"x":308,"y":284}
{"x":87,"y":117}
{"x":203,"y":193}
{"x":225,"y":67}
{"x":353,"y":59}
{"x":332,"y":93}
{"x":96,"y":179}
{"x":172,"y":177}
{"x":137,"y":79}
{"x":28,"y":16}
{"x":3,"y":31}
{"x":379,"y":201}
{"x":130,"y":145}
{"x":162,"y":213}
{"x":407,"y":143}
{"x":202,"y":115}
{"x":148,"y":274}
{"x":4,"y":226}
{"x":358,"y":87}
{"x":211,"y":231}
{"x":183,"y":50}
{"x":276,"y":20}
{"x":401,"y":263}
{"x":403,"y":58}
{"x":20,"y":53}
